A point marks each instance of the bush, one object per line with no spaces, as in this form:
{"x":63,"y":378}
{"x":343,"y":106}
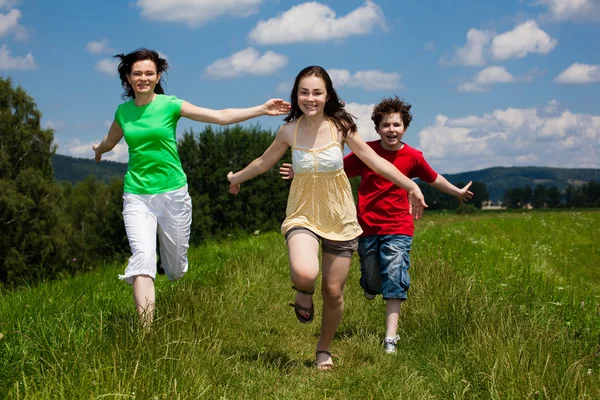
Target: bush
{"x":466,"y":209}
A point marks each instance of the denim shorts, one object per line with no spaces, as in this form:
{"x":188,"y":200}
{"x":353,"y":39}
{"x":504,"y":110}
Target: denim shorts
{"x":384,"y":264}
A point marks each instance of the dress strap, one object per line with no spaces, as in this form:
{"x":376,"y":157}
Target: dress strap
{"x":333,"y":132}
{"x":296,"y":131}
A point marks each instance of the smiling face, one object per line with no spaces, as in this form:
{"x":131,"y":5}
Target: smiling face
{"x":391,"y":129}
{"x":143,"y":77}
{"x":312,"y":95}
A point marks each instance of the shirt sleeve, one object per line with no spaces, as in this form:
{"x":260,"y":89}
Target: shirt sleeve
{"x":352,"y":165}
{"x":175,"y":106}
{"x":424,"y":170}
{"x":118,"y":117}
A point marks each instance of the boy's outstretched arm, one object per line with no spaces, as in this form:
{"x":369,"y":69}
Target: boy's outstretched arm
{"x":443,"y":185}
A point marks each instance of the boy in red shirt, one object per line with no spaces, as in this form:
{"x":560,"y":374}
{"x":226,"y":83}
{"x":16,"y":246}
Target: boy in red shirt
{"x":384,"y":211}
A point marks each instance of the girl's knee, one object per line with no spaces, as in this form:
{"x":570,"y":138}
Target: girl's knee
{"x":332,"y":296}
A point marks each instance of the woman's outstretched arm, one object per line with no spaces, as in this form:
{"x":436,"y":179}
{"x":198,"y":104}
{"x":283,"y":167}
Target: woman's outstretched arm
{"x":227,"y":116}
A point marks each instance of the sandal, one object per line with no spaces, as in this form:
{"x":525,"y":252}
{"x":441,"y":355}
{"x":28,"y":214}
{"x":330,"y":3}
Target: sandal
{"x":323,"y":366}
{"x":310,"y":310}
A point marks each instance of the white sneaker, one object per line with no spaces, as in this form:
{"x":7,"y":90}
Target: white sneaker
{"x":389,"y":345}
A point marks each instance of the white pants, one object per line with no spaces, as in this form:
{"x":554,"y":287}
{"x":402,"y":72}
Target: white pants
{"x":169,"y":214}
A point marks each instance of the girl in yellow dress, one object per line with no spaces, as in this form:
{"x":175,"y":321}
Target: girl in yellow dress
{"x":320,"y":206}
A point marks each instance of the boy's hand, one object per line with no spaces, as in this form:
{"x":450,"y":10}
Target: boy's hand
{"x":464,"y":193}
{"x":286,"y":171}
{"x":233,"y":188}
{"x":417,"y":203}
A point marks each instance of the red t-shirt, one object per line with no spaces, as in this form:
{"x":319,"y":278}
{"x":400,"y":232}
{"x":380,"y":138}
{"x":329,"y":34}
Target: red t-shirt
{"x":382,"y":206}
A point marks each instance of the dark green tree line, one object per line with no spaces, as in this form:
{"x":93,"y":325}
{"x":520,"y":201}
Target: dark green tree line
{"x":585,"y":195}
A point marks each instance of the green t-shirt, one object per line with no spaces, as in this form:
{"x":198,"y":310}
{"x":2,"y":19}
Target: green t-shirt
{"x":154,"y":166}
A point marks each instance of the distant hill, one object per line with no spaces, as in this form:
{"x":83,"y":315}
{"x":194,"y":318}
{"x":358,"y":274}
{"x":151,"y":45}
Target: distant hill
{"x":497,"y":179}
{"x":73,"y":170}
{"x":500,"y":179}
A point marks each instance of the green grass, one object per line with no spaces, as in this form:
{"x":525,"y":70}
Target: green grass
{"x":502,"y":306}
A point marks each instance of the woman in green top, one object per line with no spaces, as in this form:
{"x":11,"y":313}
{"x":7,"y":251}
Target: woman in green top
{"x":156,"y":200}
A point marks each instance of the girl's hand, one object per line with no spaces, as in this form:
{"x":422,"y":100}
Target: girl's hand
{"x":233,"y":188}
{"x":417,"y":203}
{"x":286,"y":171}
{"x":276,"y":107}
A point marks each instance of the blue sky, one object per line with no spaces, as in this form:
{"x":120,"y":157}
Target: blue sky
{"x":492,"y":83}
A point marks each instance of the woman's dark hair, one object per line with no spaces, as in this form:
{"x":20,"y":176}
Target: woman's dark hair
{"x":334,"y":107}
{"x":392,"y":105}
{"x":127,"y":61}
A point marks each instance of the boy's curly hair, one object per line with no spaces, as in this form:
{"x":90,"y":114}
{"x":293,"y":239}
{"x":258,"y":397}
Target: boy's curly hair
{"x":391,"y":105}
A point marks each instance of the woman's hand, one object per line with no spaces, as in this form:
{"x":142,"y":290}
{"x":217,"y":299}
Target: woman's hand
{"x":234,"y":188}
{"x":276,"y":107}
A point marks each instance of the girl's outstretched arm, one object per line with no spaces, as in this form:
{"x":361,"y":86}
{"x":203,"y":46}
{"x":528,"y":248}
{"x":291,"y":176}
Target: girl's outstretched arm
{"x":114,"y":136}
{"x":383,"y":167}
{"x":263,"y":163}
{"x":227,"y":116}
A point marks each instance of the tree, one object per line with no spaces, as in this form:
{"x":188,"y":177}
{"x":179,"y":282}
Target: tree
{"x":513,"y":198}
{"x":553,"y":197}
{"x":538,"y":199}
{"x":480,"y":194}
{"x":33,"y":227}
{"x":207,"y":158}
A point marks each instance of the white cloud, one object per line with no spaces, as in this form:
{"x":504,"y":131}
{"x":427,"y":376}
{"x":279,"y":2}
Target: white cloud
{"x":7,"y":3}
{"x":430,"y":46}
{"x":574,"y":10}
{"x":75,"y":148}
{"x":55,"y":125}
{"x":9,"y":24}
{"x":579,"y":73}
{"x":369,"y":80}
{"x":472,"y":53}
{"x":99,"y":47}
{"x":485,"y":78}
{"x":246,"y":62}
{"x":195,"y":12}
{"x":545,"y":136}
{"x":524,"y":39}
{"x":366,"y":127}
{"x":315,"y":22}
{"x":494,"y":74}
{"x":108,"y":66}
{"x":10,"y":63}
{"x":339,"y":77}
{"x":107,"y":124}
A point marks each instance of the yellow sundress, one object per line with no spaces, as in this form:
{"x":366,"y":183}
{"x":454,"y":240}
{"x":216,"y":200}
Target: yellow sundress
{"x":320,"y":197}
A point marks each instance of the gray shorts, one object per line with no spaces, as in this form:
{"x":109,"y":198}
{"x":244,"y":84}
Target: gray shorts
{"x":341,"y":248}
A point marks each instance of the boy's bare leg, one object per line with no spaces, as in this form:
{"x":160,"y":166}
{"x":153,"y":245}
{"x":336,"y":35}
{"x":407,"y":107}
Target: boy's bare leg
{"x":392,"y":312}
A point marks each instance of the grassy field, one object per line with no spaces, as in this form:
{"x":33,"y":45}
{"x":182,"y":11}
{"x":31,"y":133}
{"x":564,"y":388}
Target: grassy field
{"x":503,"y":306}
